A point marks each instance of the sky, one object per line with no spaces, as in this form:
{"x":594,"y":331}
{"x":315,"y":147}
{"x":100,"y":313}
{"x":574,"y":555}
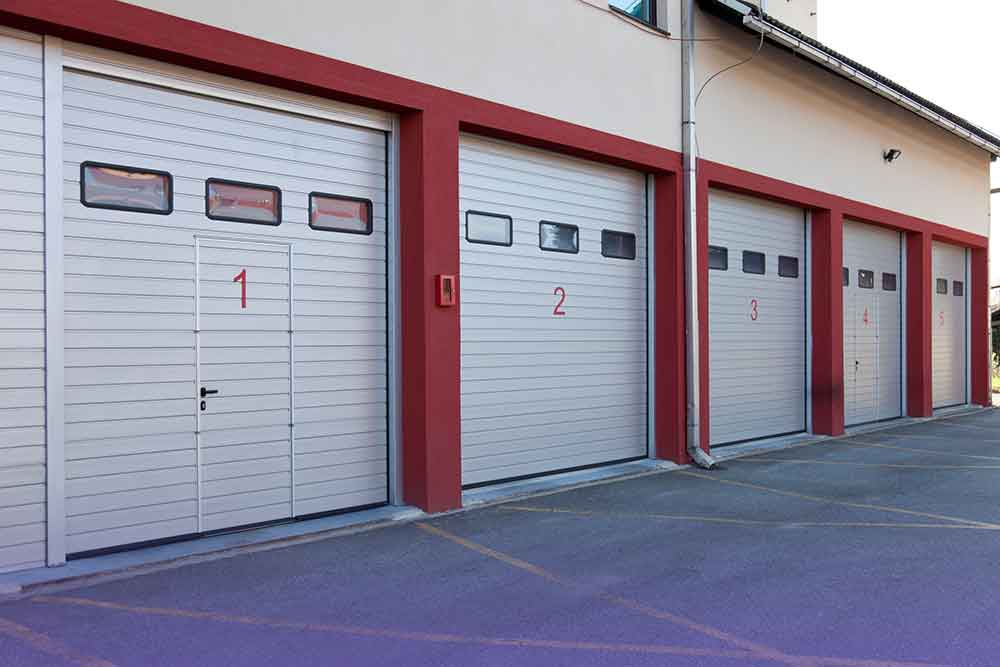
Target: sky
{"x":943,"y":50}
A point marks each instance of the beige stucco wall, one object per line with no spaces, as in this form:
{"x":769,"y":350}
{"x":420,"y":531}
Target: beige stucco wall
{"x":575,"y":60}
{"x":572,"y":59}
{"x":800,"y":14}
{"x":785,"y":118}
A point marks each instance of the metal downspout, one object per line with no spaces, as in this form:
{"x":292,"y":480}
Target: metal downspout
{"x":693,"y":356}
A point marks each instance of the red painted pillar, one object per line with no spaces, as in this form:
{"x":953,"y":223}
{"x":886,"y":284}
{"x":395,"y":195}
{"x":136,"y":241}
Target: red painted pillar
{"x":980,"y":327}
{"x":919,"y":304}
{"x":670,"y":410}
{"x":828,"y":322}
{"x":431,"y":410}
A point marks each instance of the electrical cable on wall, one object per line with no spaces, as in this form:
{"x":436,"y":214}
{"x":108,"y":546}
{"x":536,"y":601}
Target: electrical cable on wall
{"x":712,"y":78}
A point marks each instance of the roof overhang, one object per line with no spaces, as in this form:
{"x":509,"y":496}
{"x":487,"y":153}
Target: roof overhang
{"x":753,"y":19}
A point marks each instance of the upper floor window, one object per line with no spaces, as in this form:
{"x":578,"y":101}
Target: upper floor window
{"x":644,"y":10}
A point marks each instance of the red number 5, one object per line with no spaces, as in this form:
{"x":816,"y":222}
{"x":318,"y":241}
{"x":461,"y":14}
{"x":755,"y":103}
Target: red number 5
{"x":241,"y":278}
{"x":561,"y":293}
{"x":753,"y":310}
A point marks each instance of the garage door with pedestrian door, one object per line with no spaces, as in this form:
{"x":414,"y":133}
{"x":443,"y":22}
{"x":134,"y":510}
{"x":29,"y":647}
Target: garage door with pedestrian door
{"x":950,"y":326}
{"x":553,"y":312}
{"x":225,"y":314}
{"x":873,"y":324}
{"x":757,"y":318}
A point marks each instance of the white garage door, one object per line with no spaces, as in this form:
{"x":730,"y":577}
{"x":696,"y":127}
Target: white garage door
{"x":950,"y":338}
{"x":757,"y":318}
{"x":553,"y":284}
{"x":226,"y":350}
{"x":873,"y":324}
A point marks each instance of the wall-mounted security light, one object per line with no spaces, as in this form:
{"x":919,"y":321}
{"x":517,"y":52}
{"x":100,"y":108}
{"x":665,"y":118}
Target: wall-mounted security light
{"x":892,"y":155}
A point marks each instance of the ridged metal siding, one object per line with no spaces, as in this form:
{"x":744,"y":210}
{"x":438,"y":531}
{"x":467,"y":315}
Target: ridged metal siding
{"x":22,"y":307}
{"x":873,"y":329}
{"x":757,"y":377}
{"x":950,"y":333}
{"x":132,"y":465}
{"x":544,"y":392}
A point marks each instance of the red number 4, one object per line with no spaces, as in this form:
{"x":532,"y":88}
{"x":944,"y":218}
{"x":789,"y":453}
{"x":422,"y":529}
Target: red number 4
{"x":241,"y":278}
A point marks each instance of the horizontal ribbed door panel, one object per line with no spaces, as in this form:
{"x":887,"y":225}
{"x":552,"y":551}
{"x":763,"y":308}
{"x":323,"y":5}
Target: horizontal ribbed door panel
{"x":22,"y":304}
{"x":950,"y":337}
{"x":131,"y":406}
{"x":544,"y":391}
{"x":757,"y":323}
{"x":873,"y":329}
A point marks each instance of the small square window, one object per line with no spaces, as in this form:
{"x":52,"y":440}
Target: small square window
{"x":126,"y":188}
{"x":489,"y":228}
{"x":619,"y":245}
{"x":242,"y":202}
{"x":644,"y":10}
{"x":866,"y":279}
{"x":958,"y":288}
{"x":942,"y":286}
{"x":788,"y":267}
{"x":889,"y":282}
{"x":558,"y":237}
{"x":334,"y":213}
{"x":847,"y":277}
{"x":718,"y":258}
{"x":754,"y":262}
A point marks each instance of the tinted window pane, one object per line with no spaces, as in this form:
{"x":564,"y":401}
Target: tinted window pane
{"x":340,"y":214}
{"x":753,"y":262}
{"x":241,"y":202}
{"x":788,"y":267}
{"x":942,"y":286}
{"x":558,"y":237}
{"x":109,"y":186}
{"x":958,"y":288}
{"x":641,"y":9}
{"x":718,"y":258}
{"x":866,"y":279}
{"x":489,"y":228}
{"x":847,"y":277}
{"x":617,"y":244}
{"x":889,"y":282}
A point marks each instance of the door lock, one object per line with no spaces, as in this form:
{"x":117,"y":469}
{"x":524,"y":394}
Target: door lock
{"x":205,"y":391}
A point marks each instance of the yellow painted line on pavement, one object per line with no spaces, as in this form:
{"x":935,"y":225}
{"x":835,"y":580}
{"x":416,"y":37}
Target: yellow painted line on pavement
{"x":49,"y":646}
{"x":937,"y":452}
{"x":765,"y":459}
{"x":834,"y":501}
{"x":694,"y":518}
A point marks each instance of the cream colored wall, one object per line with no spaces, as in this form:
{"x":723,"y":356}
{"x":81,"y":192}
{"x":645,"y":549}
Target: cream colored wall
{"x":785,"y":118}
{"x":800,"y":14}
{"x":571,"y":59}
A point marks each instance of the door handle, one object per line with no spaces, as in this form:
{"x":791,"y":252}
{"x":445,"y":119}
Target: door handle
{"x":208,"y":392}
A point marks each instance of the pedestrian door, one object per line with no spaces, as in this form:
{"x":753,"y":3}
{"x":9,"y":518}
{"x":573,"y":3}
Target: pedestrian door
{"x":873,"y":330}
{"x":950,"y":332}
{"x":244,"y":382}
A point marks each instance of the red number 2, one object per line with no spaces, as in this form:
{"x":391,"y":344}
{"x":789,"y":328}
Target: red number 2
{"x":753,"y":310}
{"x":561,"y":293}
{"x":866,"y":319}
{"x":241,"y":278}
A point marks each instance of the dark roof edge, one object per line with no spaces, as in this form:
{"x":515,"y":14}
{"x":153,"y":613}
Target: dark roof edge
{"x":727,"y":10}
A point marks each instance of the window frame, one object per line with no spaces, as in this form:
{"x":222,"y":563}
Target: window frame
{"x":895,"y":282}
{"x":763,"y":256}
{"x":956,"y":287}
{"x":116,"y":207}
{"x":635,"y":244}
{"x":861,"y":274}
{"x":725,"y":252}
{"x":510,"y":227}
{"x":652,"y":21}
{"x":940,"y":282}
{"x":785,"y":274}
{"x":243,"y":184}
{"x":575,"y":228}
{"x":328,"y":195}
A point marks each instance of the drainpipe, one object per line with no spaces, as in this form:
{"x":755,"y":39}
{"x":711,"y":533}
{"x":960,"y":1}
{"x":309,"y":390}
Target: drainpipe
{"x":700,"y":458}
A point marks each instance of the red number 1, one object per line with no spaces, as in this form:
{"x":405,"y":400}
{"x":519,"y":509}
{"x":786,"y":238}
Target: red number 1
{"x":241,"y":278}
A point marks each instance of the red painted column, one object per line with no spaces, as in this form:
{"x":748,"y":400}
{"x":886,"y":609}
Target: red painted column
{"x":431,"y":410}
{"x":828,"y":322}
{"x":980,"y":327}
{"x":670,"y":410}
{"x":919,"y":304}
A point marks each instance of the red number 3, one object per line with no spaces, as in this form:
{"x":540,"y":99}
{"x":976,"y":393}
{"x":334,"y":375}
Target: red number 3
{"x":241,"y":278}
{"x":753,"y":310}
{"x":561,"y":293}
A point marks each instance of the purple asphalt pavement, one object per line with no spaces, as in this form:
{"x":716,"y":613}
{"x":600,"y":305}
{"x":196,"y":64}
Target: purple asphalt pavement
{"x":879,"y":550}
